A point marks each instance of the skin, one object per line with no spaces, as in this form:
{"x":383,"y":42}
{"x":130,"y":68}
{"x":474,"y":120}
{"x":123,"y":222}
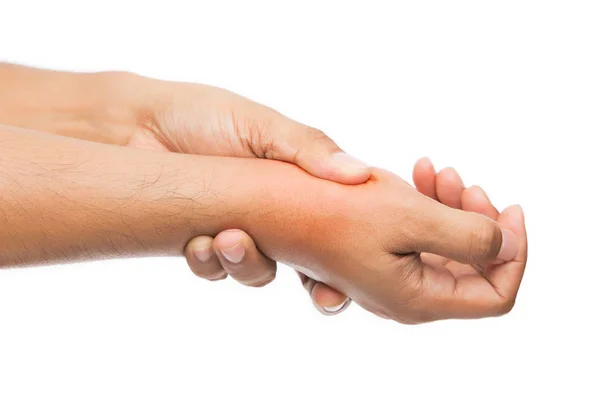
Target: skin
{"x":129,"y":110}
{"x":71,"y":200}
{"x":154,"y":115}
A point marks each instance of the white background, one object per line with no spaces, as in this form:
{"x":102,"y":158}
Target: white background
{"x":507,"y":92}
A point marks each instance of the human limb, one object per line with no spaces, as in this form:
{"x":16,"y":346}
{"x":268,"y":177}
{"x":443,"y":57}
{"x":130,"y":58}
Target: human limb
{"x":129,"y":110}
{"x":68,"y":200}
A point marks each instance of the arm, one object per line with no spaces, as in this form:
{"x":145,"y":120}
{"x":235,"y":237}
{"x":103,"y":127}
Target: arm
{"x":65,"y":200}
{"x":126,"y":109}
{"x":91,"y":106}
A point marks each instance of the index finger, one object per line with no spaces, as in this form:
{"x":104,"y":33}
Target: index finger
{"x":476,"y":296}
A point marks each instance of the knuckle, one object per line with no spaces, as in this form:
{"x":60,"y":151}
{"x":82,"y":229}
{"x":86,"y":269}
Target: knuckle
{"x":485,"y":241}
{"x":409,"y":276}
{"x":318,"y":138}
{"x":258,"y":136}
{"x":314,"y":133}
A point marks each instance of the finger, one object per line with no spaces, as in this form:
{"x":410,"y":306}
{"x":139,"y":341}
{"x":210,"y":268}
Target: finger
{"x":326,"y":299}
{"x":202,"y":260}
{"x":424,"y":177}
{"x":474,"y":199}
{"x":495,"y":292}
{"x":242,"y":260}
{"x":462,"y":236}
{"x":446,"y":296}
{"x":313,"y":151}
{"x":449,"y":187}
{"x":506,"y":278}
{"x":434,"y":260}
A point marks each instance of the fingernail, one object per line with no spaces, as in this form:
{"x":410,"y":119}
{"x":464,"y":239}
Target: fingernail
{"x":347,"y":162}
{"x":204,"y":254}
{"x":510,"y":246}
{"x":234,"y":254}
{"x":332,"y":310}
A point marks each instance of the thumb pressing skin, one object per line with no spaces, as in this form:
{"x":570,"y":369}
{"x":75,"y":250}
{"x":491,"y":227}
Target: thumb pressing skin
{"x":314,"y":152}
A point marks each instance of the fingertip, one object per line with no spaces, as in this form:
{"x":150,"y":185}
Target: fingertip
{"x":230,"y":238}
{"x":450,"y":175}
{"x":423,"y":168}
{"x":199,"y":242}
{"x":328,"y":300}
{"x":475,"y":199}
{"x":518,"y":212}
{"x":201,"y":259}
{"x":424,"y":177}
{"x":347,"y":169}
{"x":478,"y":192}
{"x":425,"y":163}
{"x":449,"y":187}
{"x":232,"y":244}
{"x":514,"y":218}
{"x":334,"y":310}
{"x":200,"y":248}
{"x":507,"y":276}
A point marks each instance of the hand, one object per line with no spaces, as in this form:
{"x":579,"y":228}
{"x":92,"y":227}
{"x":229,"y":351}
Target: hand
{"x":204,"y":120}
{"x":371,"y":246}
{"x":447,"y":188}
{"x":368,"y":241}
{"x":434,"y":263}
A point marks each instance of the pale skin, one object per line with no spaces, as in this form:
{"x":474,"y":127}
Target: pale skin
{"x":374,"y":253}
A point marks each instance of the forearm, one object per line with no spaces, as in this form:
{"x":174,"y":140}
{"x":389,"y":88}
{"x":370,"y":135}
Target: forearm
{"x":66,"y":200}
{"x":90,"y":106}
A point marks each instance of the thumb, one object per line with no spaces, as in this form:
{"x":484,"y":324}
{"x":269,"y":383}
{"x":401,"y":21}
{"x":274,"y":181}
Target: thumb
{"x":465,"y":236}
{"x":313,"y":151}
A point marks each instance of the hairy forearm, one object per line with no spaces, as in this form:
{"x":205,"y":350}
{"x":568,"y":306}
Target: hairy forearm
{"x":66,"y":200}
{"x":90,"y":106}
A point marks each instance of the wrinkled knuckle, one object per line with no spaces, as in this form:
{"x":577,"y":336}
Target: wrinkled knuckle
{"x":263,"y":144}
{"x":485,"y":242}
{"x":410,"y":278}
{"x":314,"y":133}
{"x":318,"y":137}
{"x":414,"y":285}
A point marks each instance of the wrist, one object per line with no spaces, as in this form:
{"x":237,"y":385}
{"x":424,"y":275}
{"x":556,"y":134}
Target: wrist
{"x":289,"y":213}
